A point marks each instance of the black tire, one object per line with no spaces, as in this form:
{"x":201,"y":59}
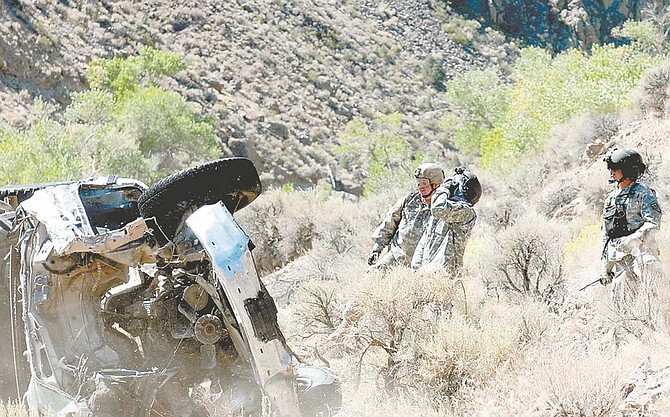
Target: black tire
{"x":234,"y":181}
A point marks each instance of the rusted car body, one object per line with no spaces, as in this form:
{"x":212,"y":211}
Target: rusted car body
{"x":126,"y":300}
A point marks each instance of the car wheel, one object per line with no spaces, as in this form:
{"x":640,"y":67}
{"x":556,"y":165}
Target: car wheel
{"x":234,"y":181}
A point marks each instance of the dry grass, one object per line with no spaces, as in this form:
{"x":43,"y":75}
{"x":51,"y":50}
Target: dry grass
{"x":651,"y":95}
{"x":287,"y":225}
{"x":553,"y":382}
{"x":13,"y":409}
{"x":405,"y":343}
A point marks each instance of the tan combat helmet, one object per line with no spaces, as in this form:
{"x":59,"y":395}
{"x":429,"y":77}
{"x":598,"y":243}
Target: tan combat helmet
{"x":430,"y":171}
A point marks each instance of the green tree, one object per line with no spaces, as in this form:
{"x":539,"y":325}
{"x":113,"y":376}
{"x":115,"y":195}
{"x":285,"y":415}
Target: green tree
{"x":645,"y":35}
{"x":46,"y":152}
{"x":125,"y":124}
{"x":149,"y":132}
{"x":503,"y":122}
{"x":123,"y":76}
{"x":167,"y":131}
{"x":481,"y":99}
{"x":380,"y":151}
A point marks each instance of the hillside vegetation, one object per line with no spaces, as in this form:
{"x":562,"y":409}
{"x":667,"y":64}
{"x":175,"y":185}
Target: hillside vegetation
{"x":351,"y":96}
{"x":527,"y":330}
{"x":518,"y":334}
{"x":279,"y":80}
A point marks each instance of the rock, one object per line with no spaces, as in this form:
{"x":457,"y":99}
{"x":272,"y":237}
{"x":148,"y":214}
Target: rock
{"x":594,"y":149}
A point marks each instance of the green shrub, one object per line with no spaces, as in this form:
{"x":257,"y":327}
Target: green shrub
{"x":461,"y":30}
{"x":481,"y":100}
{"x":91,"y":107}
{"x":123,"y":76}
{"x":167,"y":130}
{"x":433,"y":72}
{"x":124,"y":125}
{"x":644,"y":34}
{"x":46,"y":152}
{"x":381,"y":152}
{"x":545,"y":91}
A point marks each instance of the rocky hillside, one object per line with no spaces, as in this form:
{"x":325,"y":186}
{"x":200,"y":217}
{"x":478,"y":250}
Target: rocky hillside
{"x":280,"y":79}
{"x":559,"y":24}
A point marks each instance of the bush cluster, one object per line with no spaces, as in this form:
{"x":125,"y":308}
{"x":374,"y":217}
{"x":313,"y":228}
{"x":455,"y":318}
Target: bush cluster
{"x":502,"y":122}
{"x":125,"y":125}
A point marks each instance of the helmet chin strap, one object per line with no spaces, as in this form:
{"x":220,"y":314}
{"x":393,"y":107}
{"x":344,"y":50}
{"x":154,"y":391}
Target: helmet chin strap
{"x":620,"y":180}
{"x":432,"y":191}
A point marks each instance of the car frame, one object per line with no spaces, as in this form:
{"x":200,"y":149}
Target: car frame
{"x":131,"y":300}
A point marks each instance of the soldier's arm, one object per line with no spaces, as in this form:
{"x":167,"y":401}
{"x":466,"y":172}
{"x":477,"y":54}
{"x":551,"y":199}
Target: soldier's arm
{"x":651,"y":213}
{"x":450,"y":211}
{"x":651,"y":210}
{"x":389,"y":225}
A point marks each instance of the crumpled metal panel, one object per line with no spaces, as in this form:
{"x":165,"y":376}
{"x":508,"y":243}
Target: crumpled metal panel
{"x":227,"y":247}
{"x":62,"y":212}
{"x":44,"y":399}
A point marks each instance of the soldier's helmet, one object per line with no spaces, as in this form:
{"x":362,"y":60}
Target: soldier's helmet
{"x":628,"y":161}
{"x":465,"y":184}
{"x":432,"y":172}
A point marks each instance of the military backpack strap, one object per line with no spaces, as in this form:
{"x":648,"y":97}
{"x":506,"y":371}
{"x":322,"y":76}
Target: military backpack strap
{"x":411,"y":196}
{"x":616,"y":224}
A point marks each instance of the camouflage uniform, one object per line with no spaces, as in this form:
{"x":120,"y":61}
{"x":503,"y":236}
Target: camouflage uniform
{"x":633,"y":257}
{"x":443,"y":242}
{"x":401,"y":230}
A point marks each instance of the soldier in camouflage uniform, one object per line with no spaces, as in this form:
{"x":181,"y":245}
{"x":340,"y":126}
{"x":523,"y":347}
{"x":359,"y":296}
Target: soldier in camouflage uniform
{"x":632,"y":217}
{"x":403,"y":225}
{"x":452,"y":219}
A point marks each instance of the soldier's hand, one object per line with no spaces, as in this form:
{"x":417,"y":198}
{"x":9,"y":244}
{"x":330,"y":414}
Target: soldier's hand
{"x":373,"y":258}
{"x":605,"y":277}
{"x":628,"y":244}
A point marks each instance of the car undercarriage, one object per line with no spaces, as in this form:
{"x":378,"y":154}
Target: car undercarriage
{"x":128,"y":300}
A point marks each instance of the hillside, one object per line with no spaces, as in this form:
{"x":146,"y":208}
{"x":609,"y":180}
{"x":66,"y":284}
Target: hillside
{"x":279,"y":79}
{"x":563,"y":351}
{"x":282,"y":79}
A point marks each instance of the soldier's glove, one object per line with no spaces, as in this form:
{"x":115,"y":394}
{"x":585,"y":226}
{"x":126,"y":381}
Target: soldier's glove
{"x":374,"y":255}
{"x":605,"y":277}
{"x":606,"y":274}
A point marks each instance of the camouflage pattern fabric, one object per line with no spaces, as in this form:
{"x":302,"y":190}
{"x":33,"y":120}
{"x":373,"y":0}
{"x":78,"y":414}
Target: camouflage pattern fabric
{"x":632,"y":259}
{"x":443,"y":242}
{"x":401,"y":230}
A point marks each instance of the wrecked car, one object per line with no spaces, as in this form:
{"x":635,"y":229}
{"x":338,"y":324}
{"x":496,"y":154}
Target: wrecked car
{"x":120,"y":299}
